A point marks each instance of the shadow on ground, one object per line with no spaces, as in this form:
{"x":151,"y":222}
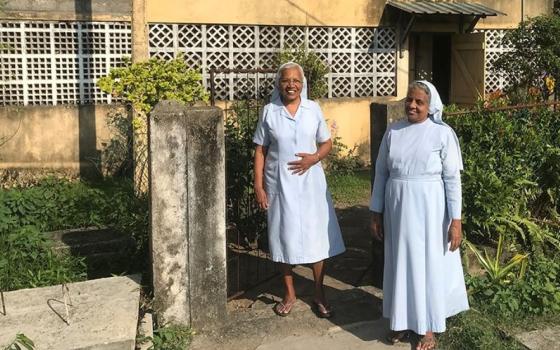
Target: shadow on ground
{"x":252,"y":324}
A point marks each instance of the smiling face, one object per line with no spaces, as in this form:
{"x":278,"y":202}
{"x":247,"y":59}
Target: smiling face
{"x":290,"y":84}
{"x":416,"y":105}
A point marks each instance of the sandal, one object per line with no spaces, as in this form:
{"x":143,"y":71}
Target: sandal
{"x":395,"y":337}
{"x":283,"y":309}
{"x":322,"y":310}
{"x":427,"y":343}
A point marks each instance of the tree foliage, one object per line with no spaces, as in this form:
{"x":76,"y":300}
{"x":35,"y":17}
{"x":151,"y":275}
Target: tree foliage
{"x":533,"y":64}
{"x":144,"y":84}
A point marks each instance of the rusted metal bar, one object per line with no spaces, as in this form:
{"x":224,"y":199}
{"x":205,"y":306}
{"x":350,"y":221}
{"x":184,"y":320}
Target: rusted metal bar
{"x":212,"y":88}
{"x":507,"y":108}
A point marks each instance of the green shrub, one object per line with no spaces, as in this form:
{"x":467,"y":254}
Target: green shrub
{"x":538,"y":293}
{"x":510,"y":181}
{"x":146,"y":83}
{"x":342,"y":160}
{"x":27,"y":261}
{"x":55,"y":204}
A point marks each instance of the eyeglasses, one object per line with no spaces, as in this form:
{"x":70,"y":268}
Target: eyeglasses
{"x":288,"y":81}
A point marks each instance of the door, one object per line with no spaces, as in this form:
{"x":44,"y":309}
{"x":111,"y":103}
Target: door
{"x":467,"y":68}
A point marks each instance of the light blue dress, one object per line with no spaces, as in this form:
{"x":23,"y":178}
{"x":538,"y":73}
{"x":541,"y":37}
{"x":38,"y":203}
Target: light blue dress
{"x":418,"y":188}
{"x":302,"y":224}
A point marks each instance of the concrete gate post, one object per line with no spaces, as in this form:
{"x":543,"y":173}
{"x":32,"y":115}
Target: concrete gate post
{"x":187,"y":197}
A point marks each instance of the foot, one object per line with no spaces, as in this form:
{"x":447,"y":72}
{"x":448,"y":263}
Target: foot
{"x":395,"y":337}
{"x":322,"y":308}
{"x":284,"y":308}
{"x":427,"y":342}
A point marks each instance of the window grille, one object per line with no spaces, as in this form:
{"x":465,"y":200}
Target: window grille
{"x":48,"y":63}
{"x":494,"y":49}
{"x":362,"y":61}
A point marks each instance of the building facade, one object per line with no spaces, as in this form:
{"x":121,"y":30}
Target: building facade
{"x":53,"y":52}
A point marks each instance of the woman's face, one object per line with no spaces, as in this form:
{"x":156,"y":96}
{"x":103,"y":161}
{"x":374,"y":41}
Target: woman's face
{"x":416,"y":105}
{"x":290,"y":84}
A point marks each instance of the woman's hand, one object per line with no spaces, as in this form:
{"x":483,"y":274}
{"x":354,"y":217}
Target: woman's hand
{"x":262,"y":199}
{"x":455,"y":234}
{"x":301,"y":166}
{"x":376,"y":226}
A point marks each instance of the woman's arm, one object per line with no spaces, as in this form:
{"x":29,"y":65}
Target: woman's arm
{"x":452,"y":166}
{"x":258,"y":185}
{"x":377,"y":201}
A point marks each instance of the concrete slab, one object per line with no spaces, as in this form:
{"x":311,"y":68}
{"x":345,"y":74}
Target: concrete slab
{"x":541,"y":339}
{"x":99,"y":314}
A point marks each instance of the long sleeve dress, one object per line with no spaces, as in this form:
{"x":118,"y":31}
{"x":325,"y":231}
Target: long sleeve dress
{"x":302,"y":224}
{"x":417,"y":187}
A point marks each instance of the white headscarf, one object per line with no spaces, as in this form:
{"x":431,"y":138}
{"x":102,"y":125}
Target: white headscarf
{"x":276,"y":90}
{"x":435,"y":111}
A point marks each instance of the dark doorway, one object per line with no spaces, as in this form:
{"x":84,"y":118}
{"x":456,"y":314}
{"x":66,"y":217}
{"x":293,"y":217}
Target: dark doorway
{"x":441,"y":65}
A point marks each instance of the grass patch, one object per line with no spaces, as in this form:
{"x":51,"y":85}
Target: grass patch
{"x":351,"y":189}
{"x":172,"y":337}
{"x":474,"y":330}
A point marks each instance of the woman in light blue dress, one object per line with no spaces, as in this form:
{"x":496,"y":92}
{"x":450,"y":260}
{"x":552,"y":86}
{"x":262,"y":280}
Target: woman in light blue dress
{"x":291,"y":139}
{"x":416,"y":205}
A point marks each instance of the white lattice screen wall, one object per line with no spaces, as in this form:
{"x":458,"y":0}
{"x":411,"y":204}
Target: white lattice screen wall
{"x":59,"y":62}
{"x":494,"y":49}
{"x":362,"y":60}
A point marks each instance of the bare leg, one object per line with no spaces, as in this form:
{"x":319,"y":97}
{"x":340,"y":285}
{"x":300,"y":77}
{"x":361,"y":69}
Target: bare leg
{"x":319,"y":276}
{"x":319,"y":301}
{"x":288,"y":279}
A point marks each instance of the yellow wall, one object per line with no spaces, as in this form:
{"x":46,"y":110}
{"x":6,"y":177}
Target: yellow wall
{"x":53,"y":136}
{"x":267,"y":12}
{"x":514,"y":10}
{"x":315,"y":12}
{"x":349,"y":120}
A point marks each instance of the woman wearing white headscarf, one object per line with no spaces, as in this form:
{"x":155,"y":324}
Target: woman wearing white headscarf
{"x":291,"y":139}
{"x":416,"y":209}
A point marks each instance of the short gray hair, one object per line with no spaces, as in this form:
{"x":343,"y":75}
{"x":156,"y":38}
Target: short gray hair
{"x":289,"y":65}
{"x":421,"y":86}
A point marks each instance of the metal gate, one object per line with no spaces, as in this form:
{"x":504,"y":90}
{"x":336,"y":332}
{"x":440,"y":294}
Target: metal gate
{"x":248,"y":258}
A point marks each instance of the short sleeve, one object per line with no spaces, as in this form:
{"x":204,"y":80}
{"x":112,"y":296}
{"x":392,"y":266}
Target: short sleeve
{"x":323,"y":133}
{"x":261,"y":136}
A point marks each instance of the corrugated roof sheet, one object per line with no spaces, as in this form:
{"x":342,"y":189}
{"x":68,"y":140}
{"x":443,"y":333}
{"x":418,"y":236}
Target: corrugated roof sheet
{"x":444,"y":8}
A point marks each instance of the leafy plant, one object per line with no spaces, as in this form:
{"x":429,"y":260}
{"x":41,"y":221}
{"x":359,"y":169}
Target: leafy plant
{"x":314,"y":68}
{"x":141,"y":86}
{"x":496,"y":270}
{"x":171,"y":337}
{"x":144,"y":84}
{"x":538,"y":293}
{"x":509,"y":182}
{"x":21,"y":342}
{"x":342,"y":160}
{"x":55,"y":204}
{"x":28,"y":261}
